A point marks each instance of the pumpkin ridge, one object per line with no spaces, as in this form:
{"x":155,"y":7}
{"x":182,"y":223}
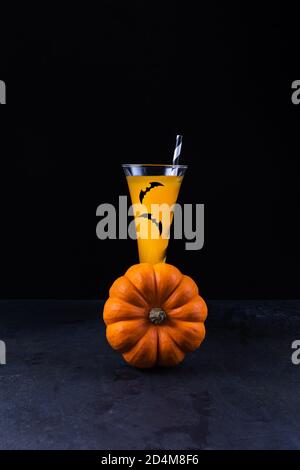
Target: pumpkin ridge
{"x":137,"y":351}
{"x":155,"y":285}
{"x":169,"y":312}
{"x":172,"y":339}
{"x":109,"y":318}
{"x":138,"y":290}
{"x":178,"y":285}
{"x":172,"y":291}
{"x":182,"y":321}
{"x":175,"y":287}
{"x":119,"y":294}
{"x":184,"y":279}
{"x":173,"y":321}
{"x":157,"y":346}
{"x":166,"y":331}
{"x":110,"y":335}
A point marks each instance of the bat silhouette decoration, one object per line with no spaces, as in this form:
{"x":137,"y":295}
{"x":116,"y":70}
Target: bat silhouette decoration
{"x":153,"y":184}
{"x":150,"y":217}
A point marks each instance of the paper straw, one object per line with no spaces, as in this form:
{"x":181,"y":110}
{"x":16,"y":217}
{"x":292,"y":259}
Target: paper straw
{"x":177,"y":150}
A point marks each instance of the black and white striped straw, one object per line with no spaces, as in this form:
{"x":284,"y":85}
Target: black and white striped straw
{"x":177,"y":149}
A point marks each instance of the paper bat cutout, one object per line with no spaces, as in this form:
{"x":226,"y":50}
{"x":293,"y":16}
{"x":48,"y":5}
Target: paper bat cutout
{"x":149,"y":217}
{"x":153,"y":184}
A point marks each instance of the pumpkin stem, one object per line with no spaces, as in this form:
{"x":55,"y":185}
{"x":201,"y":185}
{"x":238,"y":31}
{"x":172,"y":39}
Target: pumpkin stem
{"x":157,"y":315}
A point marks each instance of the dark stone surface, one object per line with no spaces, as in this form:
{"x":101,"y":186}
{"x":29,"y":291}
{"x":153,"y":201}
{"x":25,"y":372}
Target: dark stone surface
{"x":64,"y":388}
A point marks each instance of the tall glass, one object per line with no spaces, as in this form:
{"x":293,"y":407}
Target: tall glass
{"x":154,"y":190}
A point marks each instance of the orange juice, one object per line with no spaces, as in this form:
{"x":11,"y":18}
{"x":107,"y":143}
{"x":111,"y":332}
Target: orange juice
{"x":149,"y":192}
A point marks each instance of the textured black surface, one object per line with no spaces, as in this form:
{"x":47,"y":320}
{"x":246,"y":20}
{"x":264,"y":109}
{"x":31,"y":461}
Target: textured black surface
{"x":64,"y":388}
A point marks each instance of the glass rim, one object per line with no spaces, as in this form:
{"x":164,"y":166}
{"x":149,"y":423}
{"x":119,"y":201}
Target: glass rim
{"x":158,"y":165}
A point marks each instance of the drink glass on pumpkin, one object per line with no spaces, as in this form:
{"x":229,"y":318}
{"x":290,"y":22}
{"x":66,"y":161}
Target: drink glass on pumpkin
{"x":151,"y":187}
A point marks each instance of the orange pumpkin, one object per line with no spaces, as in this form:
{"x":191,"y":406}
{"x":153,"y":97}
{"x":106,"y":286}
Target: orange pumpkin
{"x":154,"y":315}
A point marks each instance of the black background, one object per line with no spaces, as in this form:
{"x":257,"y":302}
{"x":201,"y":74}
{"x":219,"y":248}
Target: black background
{"x":89,"y":89}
